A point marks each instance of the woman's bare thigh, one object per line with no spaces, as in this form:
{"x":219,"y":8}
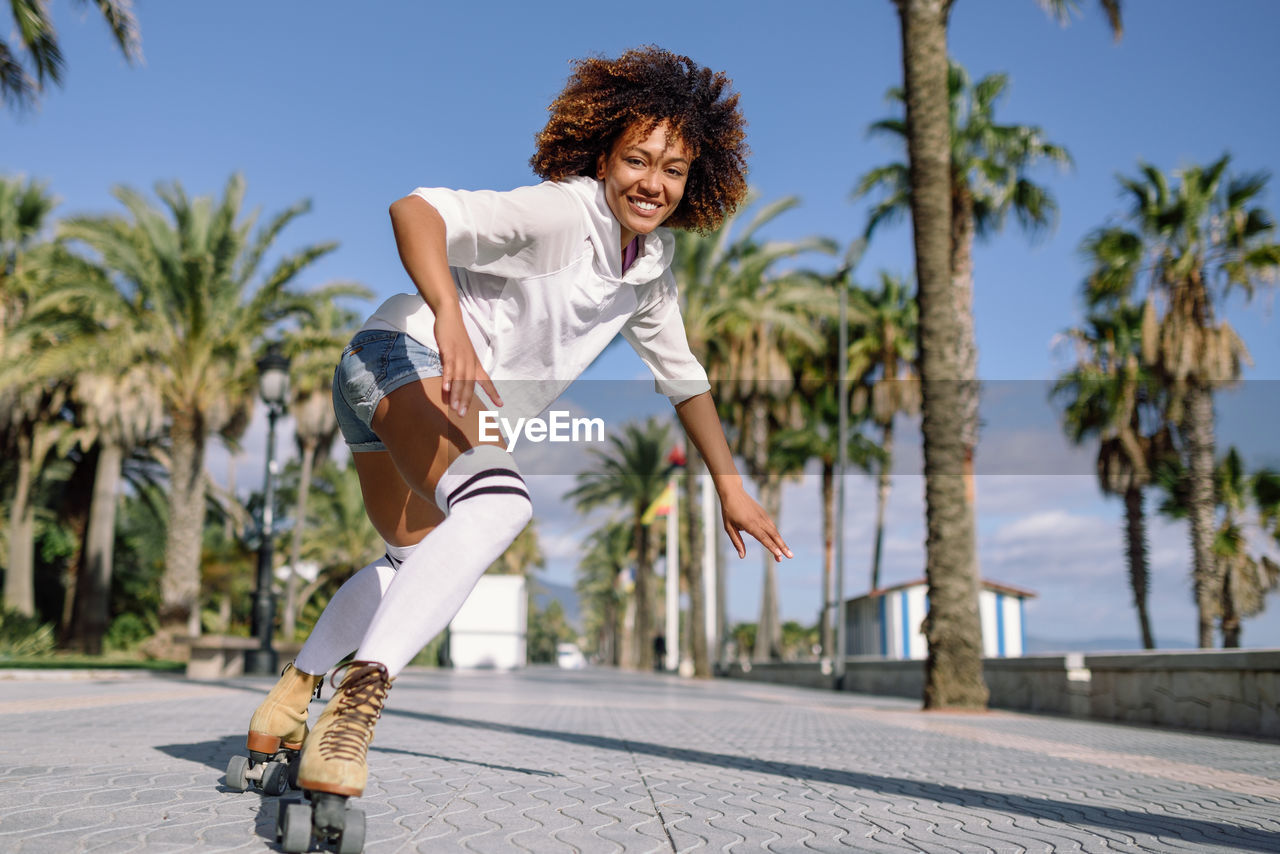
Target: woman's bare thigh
{"x":422,"y":437}
{"x":399,"y":515}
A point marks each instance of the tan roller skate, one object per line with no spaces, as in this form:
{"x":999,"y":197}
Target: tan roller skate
{"x":277,"y":732}
{"x":334,"y":767}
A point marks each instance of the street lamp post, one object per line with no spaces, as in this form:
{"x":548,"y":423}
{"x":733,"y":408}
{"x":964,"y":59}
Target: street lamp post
{"x":273,"y":386}
{"x":842,"y":462}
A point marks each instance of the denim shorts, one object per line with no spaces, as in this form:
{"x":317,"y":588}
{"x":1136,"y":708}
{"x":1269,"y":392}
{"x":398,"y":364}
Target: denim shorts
{"x":375,"y":363}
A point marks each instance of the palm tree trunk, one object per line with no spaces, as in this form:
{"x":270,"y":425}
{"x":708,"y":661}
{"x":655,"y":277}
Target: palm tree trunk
{"x":627,"y":637}
{"x":882,"y":501}
{"x":291,"y":605}
{"x":966,"y":356}
{"x":73,"y":516}
{"x":230,"y":530}
{"x":768,"y":645}
{"x":694,"y":554}
{"x":607,"y":637}
{"x":642,"y":630}
{"x":1230,"y":615}
{"x":618,"y":632}
{"x":953,"y":669}
{"x":1206,"y":578}
{"x":180,"y":583}
{"x":827,"y":624}
{"x":1136,"y":540}
{"x":722,"y":603}
{"x":19,"y":576}
{"x":94,"y":589}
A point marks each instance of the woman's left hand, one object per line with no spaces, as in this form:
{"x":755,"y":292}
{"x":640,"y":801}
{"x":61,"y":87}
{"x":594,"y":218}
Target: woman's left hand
{"x":741,"y":512}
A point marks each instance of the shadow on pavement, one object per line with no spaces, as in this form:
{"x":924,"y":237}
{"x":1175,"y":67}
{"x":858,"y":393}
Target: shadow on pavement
{"x":216,"y":753}
{"x":536,"y":772}
{"x":1189,"y":830}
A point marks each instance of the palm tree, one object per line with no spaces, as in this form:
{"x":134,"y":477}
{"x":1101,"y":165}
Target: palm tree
{"x":692,"y":554}
{"x":183,"y":276}
{"x":711,"y":269}
{"x":1183,"y":249}
{"x":28,"y":408}
{"x":953,"y":669}
{"x":24,"y":210}
{"x":1108,"y":395}
{"x":765,"y":321}
{"x":1244,"y":580}
{"x":1264,"y":489}
{"x":38,"y":50}
{"x":116,"y":409}
{"x":882,"y":356}
{"x":1266,"y":492}
{"x":630,"y":475}
{"x":817,"y":391}
{"x":599,"y":585}
{"x":120,"y":412}
{"x":313,"y":349}
{"x":744,"y":321}
{"x":989,"y":166}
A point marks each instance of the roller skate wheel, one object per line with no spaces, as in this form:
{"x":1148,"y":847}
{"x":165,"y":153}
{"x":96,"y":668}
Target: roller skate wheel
{"x":275,"y":778}
{"x":351,"y":841}
{"x":293,"y":826}
{"x":237,"y":773}
{"x":329,"y":814}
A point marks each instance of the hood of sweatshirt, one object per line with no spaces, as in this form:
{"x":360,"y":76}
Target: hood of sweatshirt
{"x":657,"y":249}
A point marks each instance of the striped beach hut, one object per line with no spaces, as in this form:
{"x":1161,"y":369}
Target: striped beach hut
{"x":886,"y":622}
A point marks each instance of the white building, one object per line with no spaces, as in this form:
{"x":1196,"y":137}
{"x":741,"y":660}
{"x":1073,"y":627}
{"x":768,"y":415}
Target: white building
{"x":887,"y":622}
{"x":490,"y":631}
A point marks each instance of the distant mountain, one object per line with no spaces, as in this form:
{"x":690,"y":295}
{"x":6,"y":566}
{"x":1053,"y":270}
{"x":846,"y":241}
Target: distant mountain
{"x":1043,"y":646}
{"x":546,"y":591}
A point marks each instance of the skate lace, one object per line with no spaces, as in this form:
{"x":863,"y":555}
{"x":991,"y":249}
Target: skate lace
{"x":360,"y":699}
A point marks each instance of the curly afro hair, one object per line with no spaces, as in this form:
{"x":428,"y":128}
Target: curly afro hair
{"x":607,"y":98}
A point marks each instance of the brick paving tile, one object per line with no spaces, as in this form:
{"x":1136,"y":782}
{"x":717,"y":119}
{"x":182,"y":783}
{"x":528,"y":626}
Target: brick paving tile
{"x":543,"y":760}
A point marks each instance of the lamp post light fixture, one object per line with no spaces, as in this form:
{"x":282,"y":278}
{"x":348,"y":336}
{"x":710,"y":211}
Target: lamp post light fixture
{"x":273,"y":387}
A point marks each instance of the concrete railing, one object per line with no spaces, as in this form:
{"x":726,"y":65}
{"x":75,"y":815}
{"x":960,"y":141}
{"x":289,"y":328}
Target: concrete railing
{"x":1229,"y":691}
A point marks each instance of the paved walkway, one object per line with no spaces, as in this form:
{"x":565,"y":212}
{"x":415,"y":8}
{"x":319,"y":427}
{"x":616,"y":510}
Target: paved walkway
{"x":595,"y":761}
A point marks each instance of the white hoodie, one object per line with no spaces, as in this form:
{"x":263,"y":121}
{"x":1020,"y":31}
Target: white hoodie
{"x":539,"y":279}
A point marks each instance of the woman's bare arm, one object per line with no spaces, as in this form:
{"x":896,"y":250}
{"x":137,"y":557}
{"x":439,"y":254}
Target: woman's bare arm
{"x":420,"y":238}
{"x":738,"y":510}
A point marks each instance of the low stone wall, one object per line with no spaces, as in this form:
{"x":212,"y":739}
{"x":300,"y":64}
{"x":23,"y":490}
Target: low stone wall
{"x":1229,"y":691}
{"x":1236,"y":691}
{"x":1055,"y":684}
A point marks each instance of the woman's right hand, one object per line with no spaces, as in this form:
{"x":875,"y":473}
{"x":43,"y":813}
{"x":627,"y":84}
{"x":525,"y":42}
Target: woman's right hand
{"x":460,"y":368}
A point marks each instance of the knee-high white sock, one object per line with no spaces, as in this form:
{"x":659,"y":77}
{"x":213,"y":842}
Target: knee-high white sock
{"x":346,"y":618}
{"x":486,"y":504}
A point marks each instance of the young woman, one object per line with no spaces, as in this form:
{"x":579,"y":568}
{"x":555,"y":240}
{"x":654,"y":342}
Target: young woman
{"x":516,"y":293}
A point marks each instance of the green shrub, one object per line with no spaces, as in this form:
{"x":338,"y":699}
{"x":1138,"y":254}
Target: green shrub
{"x":23,"y":637}
{"x":127,"y":631}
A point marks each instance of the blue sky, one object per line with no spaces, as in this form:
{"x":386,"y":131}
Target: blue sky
{"x":354,"y":109}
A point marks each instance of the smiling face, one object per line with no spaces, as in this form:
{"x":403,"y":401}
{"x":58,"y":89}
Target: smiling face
{"x":644,"y":178}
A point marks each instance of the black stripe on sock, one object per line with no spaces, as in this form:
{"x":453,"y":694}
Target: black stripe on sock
{"x":395,"y":562}
{"x":486,"y":473}
{"x":491,"y":490}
